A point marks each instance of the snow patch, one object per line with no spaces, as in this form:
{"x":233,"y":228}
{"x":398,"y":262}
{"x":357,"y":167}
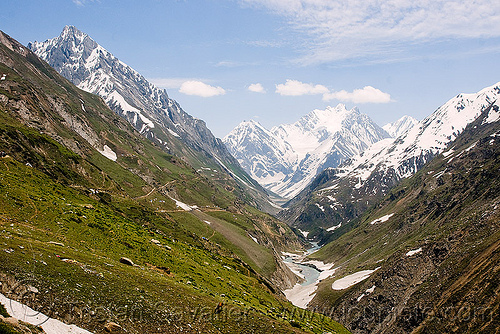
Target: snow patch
{"x":415,"y":251}
{"x":27,"y":314}
{"x":333,"y":228}
{"x":320,"y":265}
{"x":320,"y":207}
{"x":301,"y":296}
{"x":335,"y":186}
{"x":441,"y":173}
{"x":254,"y":238}
{"x":304,"y":233}
{"x":447,"y":153}
{"x":116,"y":97}
{"x":108,"y":153}
{"x":294,"y":269}
{"x":183,"y":206}
{"x":326,"y":273}
{"x":382,"y":219}
{"x":173,"y":133}
{"x":352,"y":279}
{"x":370,"y":290}
{"x":493,"y":116}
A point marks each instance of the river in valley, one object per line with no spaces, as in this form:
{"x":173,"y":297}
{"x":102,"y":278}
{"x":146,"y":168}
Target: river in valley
{"x":312,"y":272}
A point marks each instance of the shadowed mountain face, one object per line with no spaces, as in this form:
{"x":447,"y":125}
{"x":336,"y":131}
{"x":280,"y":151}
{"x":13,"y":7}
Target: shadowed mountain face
{"x":432,"y":244}
{"x":92,"y":68}
{"x":341,"y":194}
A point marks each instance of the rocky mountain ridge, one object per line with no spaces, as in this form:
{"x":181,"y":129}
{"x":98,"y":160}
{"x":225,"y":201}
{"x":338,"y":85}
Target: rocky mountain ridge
{"x":400,"y":126}
{"x":429,"y":249}
{"x":92,"y":68}
{"x":340,"y":194}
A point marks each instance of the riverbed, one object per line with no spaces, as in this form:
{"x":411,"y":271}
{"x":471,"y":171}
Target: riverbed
{"x":312,"y":272}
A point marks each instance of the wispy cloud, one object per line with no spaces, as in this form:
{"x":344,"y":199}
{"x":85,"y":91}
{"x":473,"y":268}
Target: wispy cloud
{"x":342,"y":29}
{"x":81,"y":3}
{"x":256,"y":88}
{"x":297,"y":88}
{"x":202,"y":89}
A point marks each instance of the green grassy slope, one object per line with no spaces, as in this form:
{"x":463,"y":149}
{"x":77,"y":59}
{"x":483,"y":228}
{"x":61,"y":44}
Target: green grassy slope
{"x":68,"y":246}
{"x":53,"y":110}
{"x":68,"y":214}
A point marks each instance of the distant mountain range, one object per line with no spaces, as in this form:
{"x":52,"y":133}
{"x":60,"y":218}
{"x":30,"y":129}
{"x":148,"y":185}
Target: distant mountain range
{"x":286,"y":158}
{"x":340,"y":194}
{"x":92,"y":68}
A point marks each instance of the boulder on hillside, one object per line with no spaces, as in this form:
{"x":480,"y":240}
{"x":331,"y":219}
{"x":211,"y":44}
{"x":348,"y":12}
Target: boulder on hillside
{"x":126,"y":261}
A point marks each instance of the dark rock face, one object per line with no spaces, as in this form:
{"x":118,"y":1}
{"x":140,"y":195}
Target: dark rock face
{"x":126,"y":261}
{"x":338,"y":196}
{"x":437,"y":257}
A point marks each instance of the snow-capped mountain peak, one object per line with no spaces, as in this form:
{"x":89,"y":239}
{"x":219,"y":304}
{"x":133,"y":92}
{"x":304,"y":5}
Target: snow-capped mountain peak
{"x":92,"y":68}
{"x":350,"y":189}
{"x":431,"y":136}
{"x":287,"y":157}
{"x":401,"y":126}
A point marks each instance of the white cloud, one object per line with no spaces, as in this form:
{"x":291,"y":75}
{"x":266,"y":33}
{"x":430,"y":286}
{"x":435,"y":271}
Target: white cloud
{"x":199,"y":88}
{"x":341,"y":29}
{"x":256,"y":88}
{"x":297,"y":88}
{"x":366,"y":95}
{"x":228,"y":63}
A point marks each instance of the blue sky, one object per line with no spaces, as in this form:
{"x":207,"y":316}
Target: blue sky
{"x":274,"y":61}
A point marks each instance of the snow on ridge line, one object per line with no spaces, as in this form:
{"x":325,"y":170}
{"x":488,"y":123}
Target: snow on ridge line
{"x":429,"y":136}
{"x":49,"y":325}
